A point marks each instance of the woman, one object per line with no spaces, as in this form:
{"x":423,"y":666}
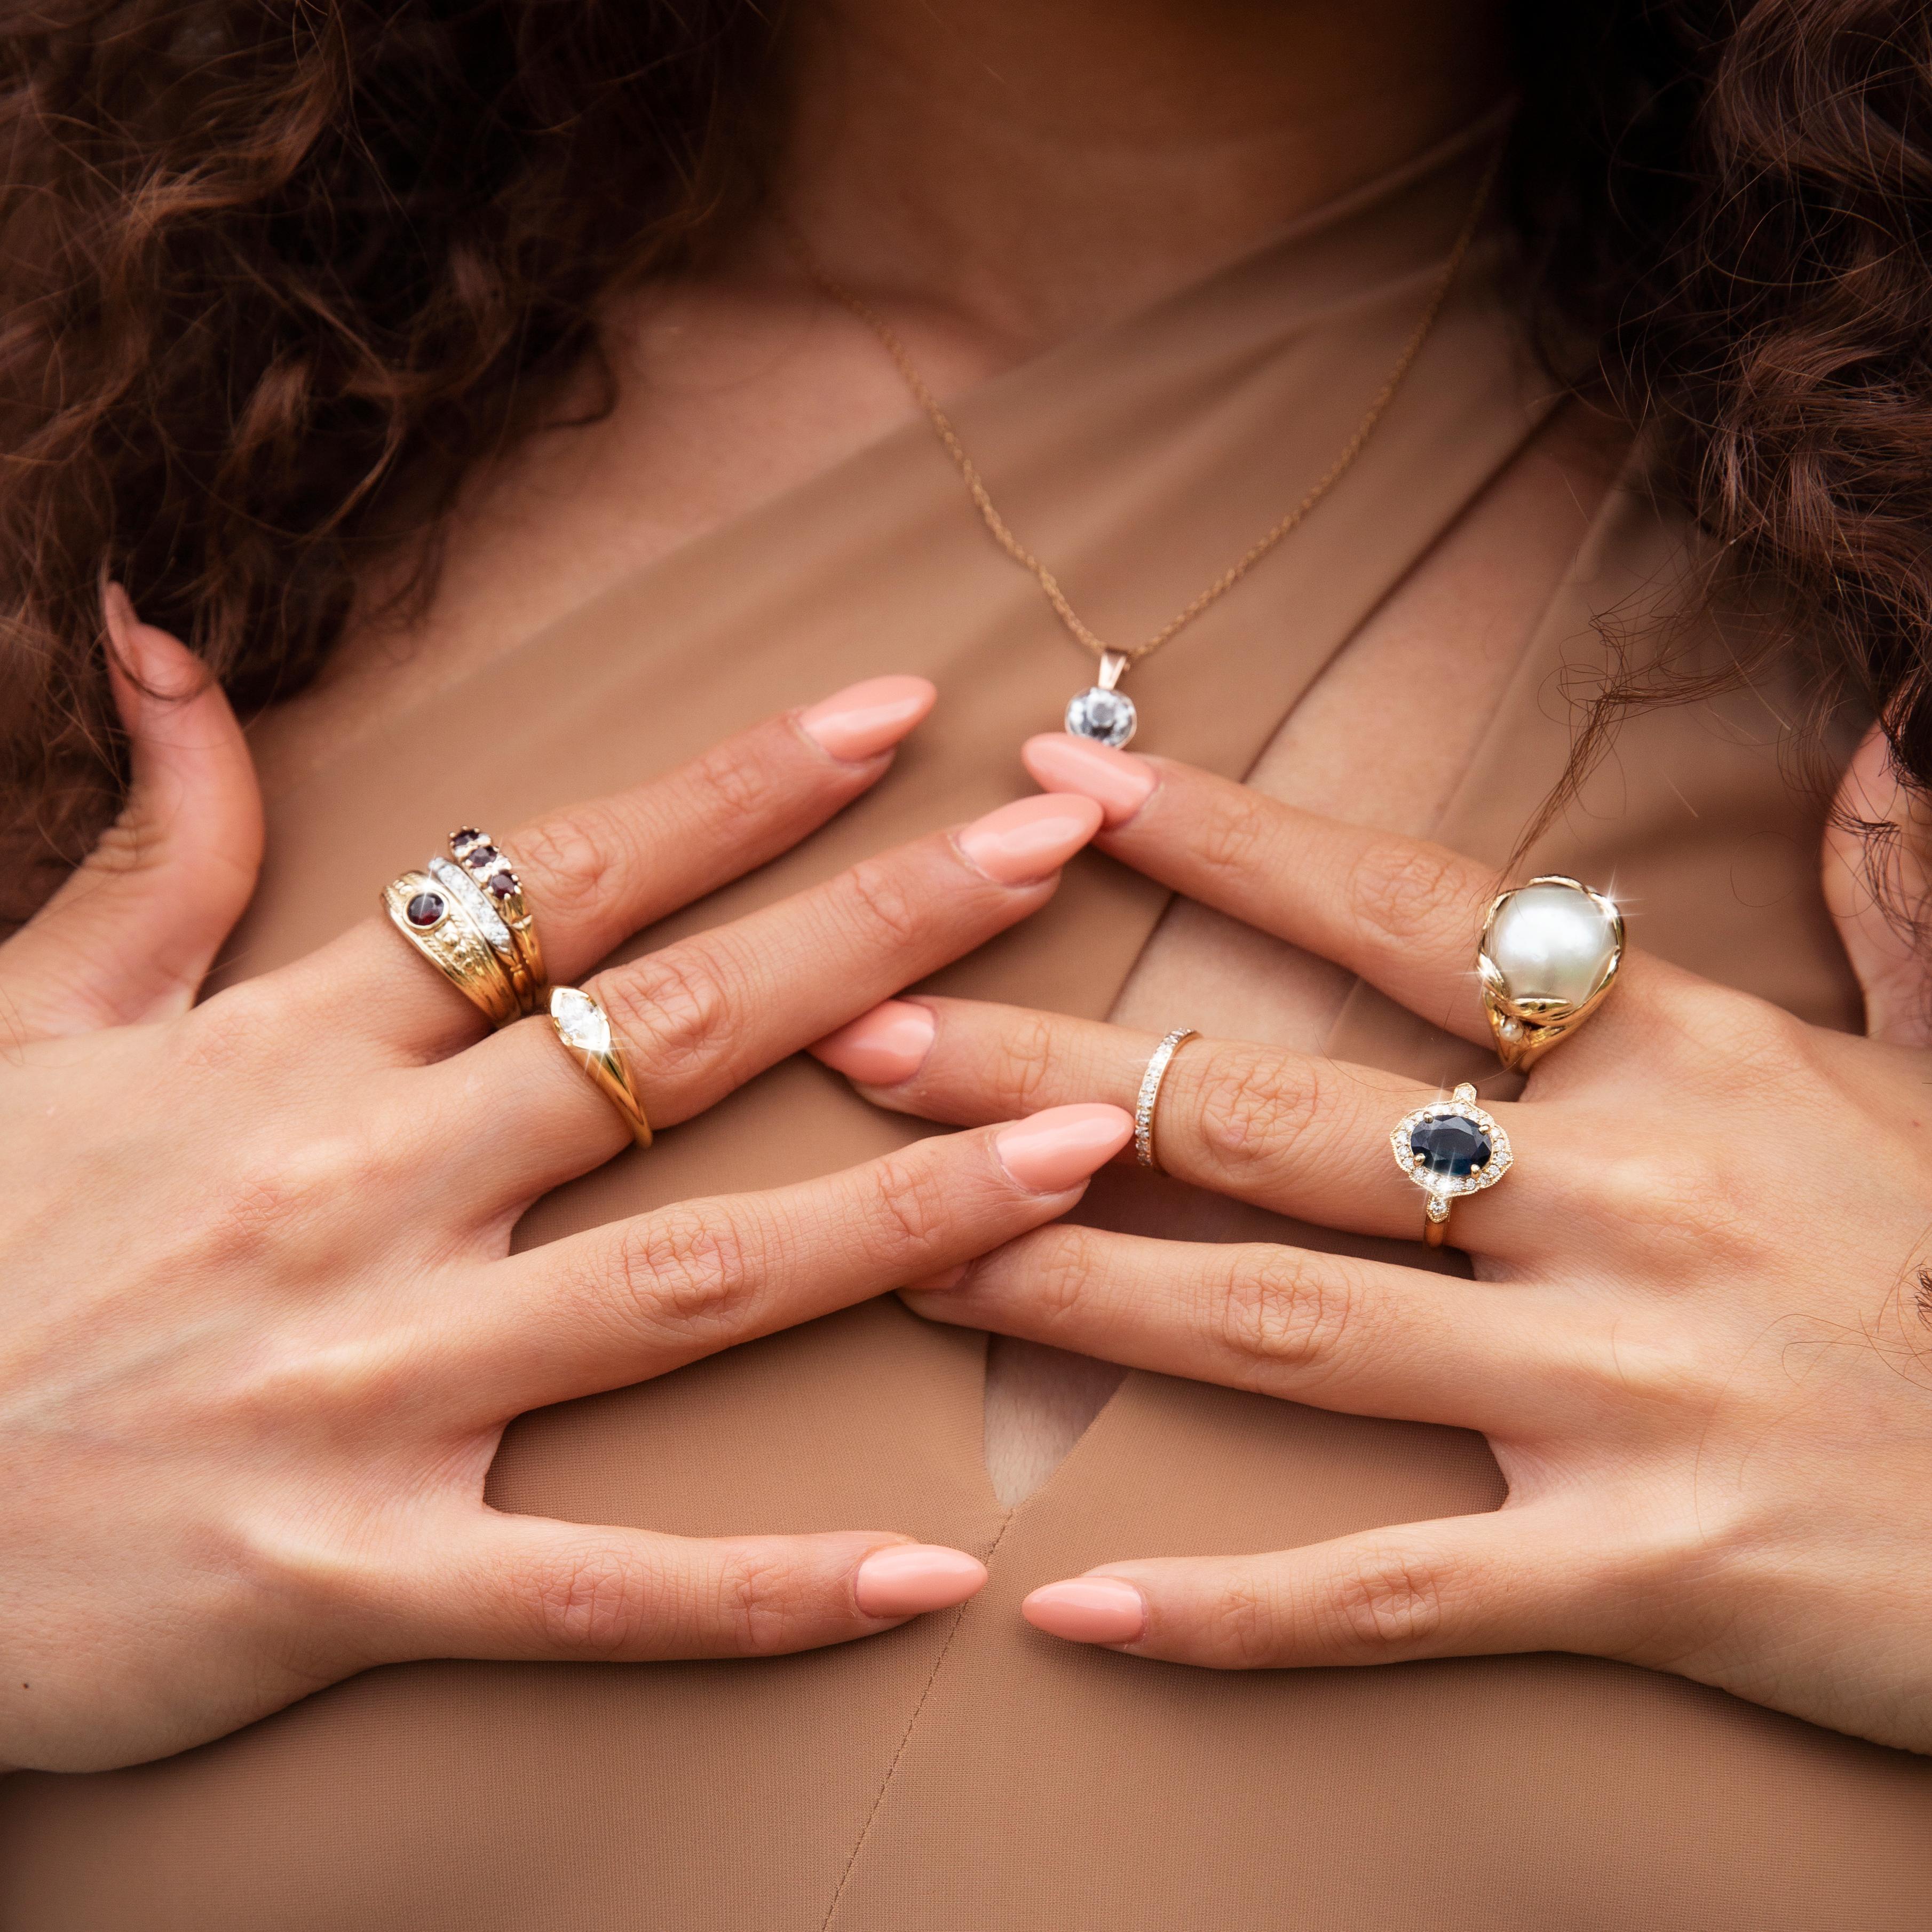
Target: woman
{"x":305,"y":358}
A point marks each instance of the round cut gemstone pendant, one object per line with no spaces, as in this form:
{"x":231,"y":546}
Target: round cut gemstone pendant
{"x":1451,"y":1147}
{"x":1100,"y":712}
{"x":1107,"y":717}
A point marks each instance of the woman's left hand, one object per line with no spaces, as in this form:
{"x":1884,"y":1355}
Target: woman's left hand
{"x":1699,"y":1340}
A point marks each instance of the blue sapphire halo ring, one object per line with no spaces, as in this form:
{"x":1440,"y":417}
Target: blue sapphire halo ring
{"x":1448,"y":1148}
{"x":1550,"y":951}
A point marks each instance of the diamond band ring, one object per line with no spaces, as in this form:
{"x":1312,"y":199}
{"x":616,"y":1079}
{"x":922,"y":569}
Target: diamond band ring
{"x":1149,"y":1097}
{"x":1448,"y":1148}
{"x":584,"y":1029}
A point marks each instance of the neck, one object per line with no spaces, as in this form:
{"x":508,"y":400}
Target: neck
{"x":1030,"y":168}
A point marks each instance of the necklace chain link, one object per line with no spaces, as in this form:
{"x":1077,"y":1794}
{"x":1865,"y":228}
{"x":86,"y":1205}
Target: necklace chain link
{"x":1050,"y":585}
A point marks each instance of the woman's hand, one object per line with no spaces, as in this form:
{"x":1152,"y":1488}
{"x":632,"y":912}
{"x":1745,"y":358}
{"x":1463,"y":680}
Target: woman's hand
{"x":1699,"y":1338}
{"x":260,"y":1328}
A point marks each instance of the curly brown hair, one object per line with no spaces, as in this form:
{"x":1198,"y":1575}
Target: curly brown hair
{"x":276,"y":274}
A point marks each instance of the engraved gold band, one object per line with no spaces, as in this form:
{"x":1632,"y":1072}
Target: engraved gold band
{"x":584,"y":1031}
{"x":428,"y":916}
{"x":1149,"y":1097}
{"x":466,"y":915}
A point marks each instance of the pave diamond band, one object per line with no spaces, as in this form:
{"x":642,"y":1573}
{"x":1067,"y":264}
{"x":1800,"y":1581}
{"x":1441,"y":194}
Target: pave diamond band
{"x":1149,"y":1097}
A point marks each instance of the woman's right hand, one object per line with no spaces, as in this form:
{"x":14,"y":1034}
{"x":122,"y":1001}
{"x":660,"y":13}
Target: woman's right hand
{"x":260,"y":1326}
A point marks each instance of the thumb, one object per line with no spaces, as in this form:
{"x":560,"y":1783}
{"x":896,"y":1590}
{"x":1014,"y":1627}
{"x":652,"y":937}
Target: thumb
{"x":1877,"y":870}
{"x":130,"y":935}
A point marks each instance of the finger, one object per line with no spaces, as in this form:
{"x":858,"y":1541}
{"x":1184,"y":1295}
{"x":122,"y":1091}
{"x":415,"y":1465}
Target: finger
{"x":593,"y":873}
{"x":131,"y":935}
{"x":1406,"y":915}
{"x":1289,"y":1131}
{"x":1329,"y":1330}
{"x":1877,"y":881}
{"x":699,"y":1018}
{"x":618,"y":1304}
{"x":512,"y":1587}
{"x":1519,"y":1580}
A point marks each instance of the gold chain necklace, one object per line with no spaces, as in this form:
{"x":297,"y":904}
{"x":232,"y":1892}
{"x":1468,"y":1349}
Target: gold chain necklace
{"x":1103,"y":711}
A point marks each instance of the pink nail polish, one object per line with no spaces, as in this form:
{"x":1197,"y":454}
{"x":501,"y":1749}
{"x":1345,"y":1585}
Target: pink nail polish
{"x":1088,"y":1610}
{"x":1118,"y":782}
{"x":912,"y":1578}
{"x":864,"y":719}
{"x":1030,"y":838}
{"x":1051,"y":1151}
{"x":881,"y":1047}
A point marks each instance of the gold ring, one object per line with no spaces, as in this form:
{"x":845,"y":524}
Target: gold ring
{"x":1149,"y":1097}
{"x":1550,"y":951}
{"x":584,"y":1028}
{"x":1448,"y":1148}
{"x":498,"y":886}
{"x":431,"y":919}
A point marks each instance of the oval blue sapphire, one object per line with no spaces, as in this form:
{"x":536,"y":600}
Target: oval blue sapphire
{"x":1452,"y":1146}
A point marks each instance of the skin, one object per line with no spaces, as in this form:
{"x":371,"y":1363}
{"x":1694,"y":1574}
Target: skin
{"x":254,"y":1371}
{"x":1145,"y":146}
{"x":278,"y":1486}
{"x":1701,"y":1352}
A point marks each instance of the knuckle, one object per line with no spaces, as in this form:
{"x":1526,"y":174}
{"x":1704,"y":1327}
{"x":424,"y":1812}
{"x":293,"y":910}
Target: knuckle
{"x":567,"y":858}
{"x":912,"y":1204}
{"x":1284,"y":1311}
{"x":1026,"y":1049}
{"x":1232,"y":839}
{"x":674,"y":1008}
{"x":590,"y":1600}
{"x":1247,"y":1624}
{"x":682,"y":1270}
{"x":1060,"y":1269}
{"x":1258,"y":1110}
{"x":884,"y":908}
{"x":1402,"y":891}
{"x":1387,"y":1599}
{"x":755,"y":1590}
{"x":728,"y":781}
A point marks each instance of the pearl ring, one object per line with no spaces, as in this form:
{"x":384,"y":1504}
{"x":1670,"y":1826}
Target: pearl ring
{"x":1549,"y":953}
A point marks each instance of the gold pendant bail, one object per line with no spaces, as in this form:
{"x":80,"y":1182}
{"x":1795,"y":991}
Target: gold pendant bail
{"x":1112,"y":664}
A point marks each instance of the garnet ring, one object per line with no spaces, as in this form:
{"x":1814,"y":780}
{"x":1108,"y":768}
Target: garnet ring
{"x":1448,"y":1148}
{"x":467,"y":915}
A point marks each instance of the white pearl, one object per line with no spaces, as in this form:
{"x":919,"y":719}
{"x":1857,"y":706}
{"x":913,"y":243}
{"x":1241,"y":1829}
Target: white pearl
{"x":1553,"y":943}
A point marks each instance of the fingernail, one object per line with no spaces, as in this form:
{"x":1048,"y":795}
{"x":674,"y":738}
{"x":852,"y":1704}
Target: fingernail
{"x":145,"y":652}
{"x":881,"y":1047}
{"x":1051,"y":1151}
{"x":1088,"y":1610}
{"x":1032,"y":837}
{"x":863,"y":719}
{"x":912,"y":1578}
{"x":1118,"y":782}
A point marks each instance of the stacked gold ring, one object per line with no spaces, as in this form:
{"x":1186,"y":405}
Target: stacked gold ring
{"x":466,"y":915}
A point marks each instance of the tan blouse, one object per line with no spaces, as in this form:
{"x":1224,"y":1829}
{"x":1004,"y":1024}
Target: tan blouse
{"x":965,"y":1772}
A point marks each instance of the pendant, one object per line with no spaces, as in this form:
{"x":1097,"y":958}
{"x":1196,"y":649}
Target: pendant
{"x":1101,"y":712}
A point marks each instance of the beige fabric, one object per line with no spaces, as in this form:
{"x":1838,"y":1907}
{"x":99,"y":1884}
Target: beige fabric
{"x":965,"y":1772}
